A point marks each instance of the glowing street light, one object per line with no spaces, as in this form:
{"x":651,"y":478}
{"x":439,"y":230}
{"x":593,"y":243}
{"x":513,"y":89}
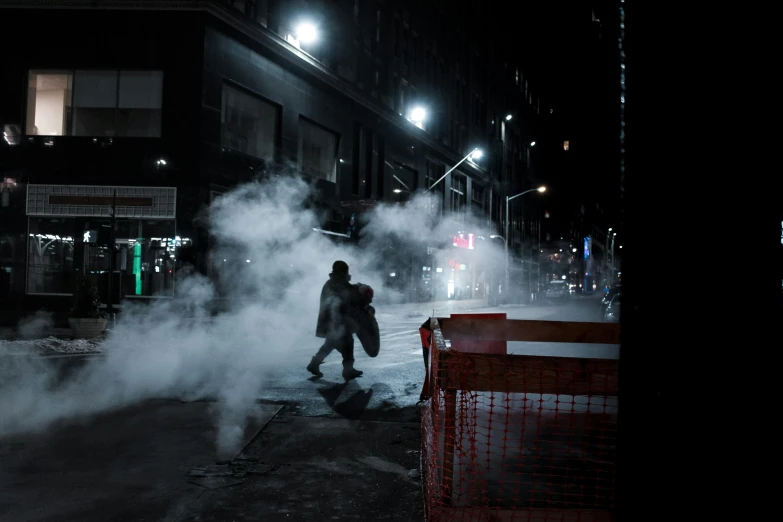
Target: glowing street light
{"x":474,"y":154}
{"x":399,"y":190}
{"x":539,"y":189}
{"x":508,"y":117}
{"x":418,"y":115}
{"x":306,"y":33}
{"x":532,"y":143}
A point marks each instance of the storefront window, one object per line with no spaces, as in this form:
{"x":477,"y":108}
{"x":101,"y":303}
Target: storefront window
{"x":147,"y":251}
{"x":50,"y":249}
{"x":60,"y":250}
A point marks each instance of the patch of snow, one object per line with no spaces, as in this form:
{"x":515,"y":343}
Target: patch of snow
{"x":51,"y":345}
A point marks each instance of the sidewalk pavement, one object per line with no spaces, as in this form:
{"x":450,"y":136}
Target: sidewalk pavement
{"x":157,"y":462}
{"x":131,"y":464}
{"x":324,"y":468}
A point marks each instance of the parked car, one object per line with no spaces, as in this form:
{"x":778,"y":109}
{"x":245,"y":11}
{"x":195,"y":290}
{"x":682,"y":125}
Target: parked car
{"x":607,"y":298}
{"x":612,"y":310}
{"x":557,"y":289}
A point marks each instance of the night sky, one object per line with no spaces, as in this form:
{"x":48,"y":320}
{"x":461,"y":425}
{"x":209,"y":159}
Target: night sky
{"x":576,"y":74}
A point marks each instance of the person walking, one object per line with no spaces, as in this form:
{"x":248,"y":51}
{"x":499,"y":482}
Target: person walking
{"x":338,"y":299}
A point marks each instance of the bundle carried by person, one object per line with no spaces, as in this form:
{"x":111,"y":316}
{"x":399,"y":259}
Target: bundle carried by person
{"x":365,"y":326}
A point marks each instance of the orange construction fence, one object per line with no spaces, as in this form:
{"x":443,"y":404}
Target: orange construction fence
{"x":515,"y":437}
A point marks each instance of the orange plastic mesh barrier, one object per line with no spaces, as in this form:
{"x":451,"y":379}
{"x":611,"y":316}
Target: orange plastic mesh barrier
{"x":518,"y":438}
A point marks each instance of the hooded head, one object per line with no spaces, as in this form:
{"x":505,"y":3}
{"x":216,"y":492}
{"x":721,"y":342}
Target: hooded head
{"x":340,"y":270}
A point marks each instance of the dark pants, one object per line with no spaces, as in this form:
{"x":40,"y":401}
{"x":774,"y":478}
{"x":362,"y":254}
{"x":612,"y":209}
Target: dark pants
{"x":342,"y":343}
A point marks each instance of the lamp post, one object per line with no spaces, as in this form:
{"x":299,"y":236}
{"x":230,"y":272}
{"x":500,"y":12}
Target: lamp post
{"x":539,"y":189}
{"x":474,"y":154}
{"x":613,"y":235}
{"x":495,"y":236}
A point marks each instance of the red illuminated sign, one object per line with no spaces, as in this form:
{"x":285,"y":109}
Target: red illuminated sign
{"x":460,"y":241}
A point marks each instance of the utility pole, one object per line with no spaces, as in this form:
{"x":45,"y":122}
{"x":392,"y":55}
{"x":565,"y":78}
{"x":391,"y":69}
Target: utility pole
{"x":112,"y":253}
{"x":508,"y":276}
{"x":539,"y":189}
{"x":613,"y":256}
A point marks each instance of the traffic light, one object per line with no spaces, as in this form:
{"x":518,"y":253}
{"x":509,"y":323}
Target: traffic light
{"x":90,"y":236}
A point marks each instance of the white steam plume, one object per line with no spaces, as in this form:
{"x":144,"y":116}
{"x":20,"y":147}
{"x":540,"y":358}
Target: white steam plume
{"x":35,"y":326}
{"x":272,"y":266}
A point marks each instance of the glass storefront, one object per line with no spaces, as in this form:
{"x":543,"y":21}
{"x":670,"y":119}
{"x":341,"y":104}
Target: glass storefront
{"x":50,"y":256}
{"x":62,"y":249}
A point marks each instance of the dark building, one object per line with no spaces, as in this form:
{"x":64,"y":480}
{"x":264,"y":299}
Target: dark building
{"x":582,"y":144}
{"x":156,"y":108}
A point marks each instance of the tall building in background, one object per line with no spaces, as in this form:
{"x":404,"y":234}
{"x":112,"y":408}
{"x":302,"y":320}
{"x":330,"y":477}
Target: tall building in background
{"x":583,"y":148}
{"x":159,"y":108}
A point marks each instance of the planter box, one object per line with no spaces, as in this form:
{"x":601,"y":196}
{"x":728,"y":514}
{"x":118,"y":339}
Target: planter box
{"x":87,"y":328}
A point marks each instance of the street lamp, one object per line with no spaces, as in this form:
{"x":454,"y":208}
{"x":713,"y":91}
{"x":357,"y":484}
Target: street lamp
{"x":399,"y":190}
{"x":614,"y":234}
{"x":539,"y":189}
{"x":418,"y":114}
{"x":508,"y":117}
{"x":306,"y":33}
{"x":532,"y":143}
{"x":505,"y":245}
{"x":474,"y":154}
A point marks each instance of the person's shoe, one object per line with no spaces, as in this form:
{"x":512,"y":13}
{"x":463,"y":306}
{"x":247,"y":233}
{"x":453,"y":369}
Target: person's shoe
{"x":314,"y":368}
{"x":350,"y":373}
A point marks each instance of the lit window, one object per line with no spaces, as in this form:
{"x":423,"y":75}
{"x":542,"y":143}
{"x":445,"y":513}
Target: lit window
{"x":49,"y":103}
{"x":94,"y":103}
{"x":565,"y":145}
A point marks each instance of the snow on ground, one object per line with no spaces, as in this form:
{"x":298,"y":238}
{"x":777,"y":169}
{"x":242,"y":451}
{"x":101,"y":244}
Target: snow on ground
{"x":51,"y":346}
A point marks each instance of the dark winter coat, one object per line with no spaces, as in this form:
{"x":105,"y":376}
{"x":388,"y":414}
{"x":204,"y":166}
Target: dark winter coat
{"x":338,"y":298}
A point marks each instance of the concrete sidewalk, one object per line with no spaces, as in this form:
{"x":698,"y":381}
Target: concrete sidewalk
{"x":323,"y":468}
{"x":157,"y":462}
{"x":134,"y":464}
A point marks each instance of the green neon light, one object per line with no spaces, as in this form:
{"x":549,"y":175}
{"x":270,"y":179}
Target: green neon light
{"x":137,"y":265}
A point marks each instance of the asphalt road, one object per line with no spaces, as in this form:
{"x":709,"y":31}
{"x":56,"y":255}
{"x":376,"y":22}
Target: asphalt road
{"x":393,"y":379}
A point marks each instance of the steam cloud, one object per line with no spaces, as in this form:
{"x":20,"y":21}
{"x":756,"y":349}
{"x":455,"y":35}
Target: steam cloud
{"x":272,"y":266}
{"x":36,"y":325}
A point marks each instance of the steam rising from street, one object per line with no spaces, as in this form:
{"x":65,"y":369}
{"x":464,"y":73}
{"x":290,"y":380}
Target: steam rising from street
{"x":271,"y":267}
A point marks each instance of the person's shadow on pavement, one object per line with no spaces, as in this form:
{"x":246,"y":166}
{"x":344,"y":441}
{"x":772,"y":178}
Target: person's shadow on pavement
{"x":351,"y":408}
